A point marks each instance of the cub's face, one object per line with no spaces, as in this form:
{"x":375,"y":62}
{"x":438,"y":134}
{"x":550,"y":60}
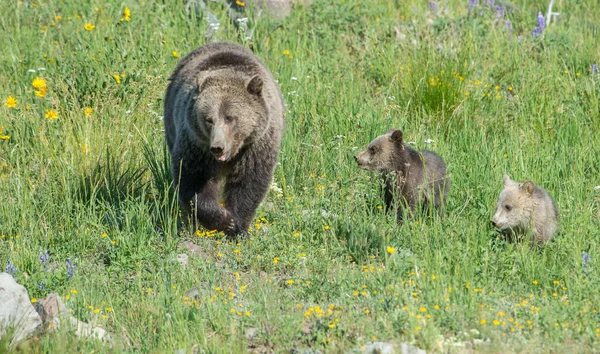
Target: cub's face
{"x":513,"y":209}
{"x":227,"y":113}
{"x":378,"y":156}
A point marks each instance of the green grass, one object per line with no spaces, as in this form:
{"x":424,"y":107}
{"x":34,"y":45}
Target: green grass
{"x":315,"y":271}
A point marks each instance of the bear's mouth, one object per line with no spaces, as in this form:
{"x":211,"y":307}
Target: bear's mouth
{"x":220,"y":156}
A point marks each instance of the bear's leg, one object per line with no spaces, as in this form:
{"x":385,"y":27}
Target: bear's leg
{"x":199,"y":195}
{"x":246,"y":186}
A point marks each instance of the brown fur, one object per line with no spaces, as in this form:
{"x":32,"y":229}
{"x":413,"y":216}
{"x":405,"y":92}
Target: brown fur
{"x":525,"y":206}
{"x":420,"y":176}
{"x":223,"y":125}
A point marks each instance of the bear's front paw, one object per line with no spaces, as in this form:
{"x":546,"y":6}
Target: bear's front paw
{"x":233,"y":230}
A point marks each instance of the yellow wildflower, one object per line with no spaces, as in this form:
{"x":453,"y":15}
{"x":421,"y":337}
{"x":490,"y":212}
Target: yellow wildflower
{"x":240,"y":3}
{"x":33,"y":300}
{"x":175,"y":54}
{"x":89,"y":27}
{"x":3,"y":137}
{"x":88,"y":111}
{"x":391,"y":250}
{"x":39,"y":85}
{"x":117,"y":78}
{"x":126,"y":15}
{"x":51,"y":114}
{"x":275,"y":260}
{"x":11,"y":102}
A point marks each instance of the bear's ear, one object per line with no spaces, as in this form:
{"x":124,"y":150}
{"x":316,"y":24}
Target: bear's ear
{"x":255,"y":85}
{"x":397,"y":136}
{"x":204,"y":82}
{"x":506,"y":179}
{"x":391,"y":131}
{"x":527,"y":187}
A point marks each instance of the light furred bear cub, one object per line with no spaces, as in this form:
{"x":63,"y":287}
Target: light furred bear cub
{"x":525,"y":206}
{"x":413,"y":176}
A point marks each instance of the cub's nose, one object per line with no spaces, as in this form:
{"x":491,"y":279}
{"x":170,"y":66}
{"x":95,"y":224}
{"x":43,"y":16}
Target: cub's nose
{"x":216,"y":150}
{"x":356,"y":158}
{"x":493,"y":223}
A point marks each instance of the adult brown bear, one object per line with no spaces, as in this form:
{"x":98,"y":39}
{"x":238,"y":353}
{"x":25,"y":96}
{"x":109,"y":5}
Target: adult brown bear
{"x":223,"y":124}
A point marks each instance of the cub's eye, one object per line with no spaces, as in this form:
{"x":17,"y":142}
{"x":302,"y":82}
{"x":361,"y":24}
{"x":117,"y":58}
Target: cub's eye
{"x":229,"y":119}
{"x":372,"y":149}
{"x":209,"y":120}
{"x":508,"y":207}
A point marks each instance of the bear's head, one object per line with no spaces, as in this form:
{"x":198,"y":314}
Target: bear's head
{"x":515,"y":205}
{"x":229,"y":111}
{"x":381,"y":153}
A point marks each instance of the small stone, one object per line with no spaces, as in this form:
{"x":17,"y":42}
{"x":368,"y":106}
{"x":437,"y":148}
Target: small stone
{"x":182,"y":259}
{"x":251,"y":333}
{"x":193,"y":249}
{"x":54,"y":313}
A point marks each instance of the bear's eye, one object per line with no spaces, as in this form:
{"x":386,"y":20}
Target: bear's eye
{"x":209,"y":120}
{"x":508,"y":207}
{"x":229,"y":119}
{"x":372,"y":149}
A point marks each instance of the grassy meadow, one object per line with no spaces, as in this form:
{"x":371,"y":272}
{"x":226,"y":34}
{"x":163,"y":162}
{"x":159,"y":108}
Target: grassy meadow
{"x":84,"y":175}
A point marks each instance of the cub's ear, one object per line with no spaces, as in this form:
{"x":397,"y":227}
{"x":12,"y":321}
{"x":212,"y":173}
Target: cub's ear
{"x":397,"y":136}
{"x":204,"y":82}
{"x":506,"y":179}
{"x":527,"y":187}
{"x":255,"y":85}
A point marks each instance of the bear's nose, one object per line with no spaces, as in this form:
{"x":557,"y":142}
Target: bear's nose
{"x":216,"y":150}
{"x":356,"y":158}
{"x":493,"y":223}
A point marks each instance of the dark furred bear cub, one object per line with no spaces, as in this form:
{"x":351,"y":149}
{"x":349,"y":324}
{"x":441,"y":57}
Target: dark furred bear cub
{"x":414,"y":176}
{"x":223,"y":123}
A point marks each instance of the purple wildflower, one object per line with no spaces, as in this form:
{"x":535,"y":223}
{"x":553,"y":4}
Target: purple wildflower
{"x":541,"y":22}
{"x":540,"y":27}
{"x":595,"y":70}
{"x":472,"y":5}
{"x":41,"y":285}
{"x":490,"y":2}
{"x":585,"y":257}
{"x":10,"y":268}
{"x":433,"y":6}
{"x":508,"y":25}
{"x":44,"y":258}
{"x":499,"y":12}
{"x":70,"y":268}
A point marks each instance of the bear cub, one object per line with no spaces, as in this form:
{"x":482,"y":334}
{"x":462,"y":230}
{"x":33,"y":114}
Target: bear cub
{"x":416,"y":177}
{"x":525,"y":206}
{"x":223,"y":117}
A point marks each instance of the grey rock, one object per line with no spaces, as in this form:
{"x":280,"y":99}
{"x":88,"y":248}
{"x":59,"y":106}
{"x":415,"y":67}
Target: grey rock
{"x":406,"y":348}
{"x":54,"y":313}
{"x":16,"y":311}
{"x":379,"y":348}
{"x":278,"y":8}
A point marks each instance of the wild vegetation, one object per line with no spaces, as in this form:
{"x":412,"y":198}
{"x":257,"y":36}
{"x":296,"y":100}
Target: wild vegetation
{"x":88,"y":210}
